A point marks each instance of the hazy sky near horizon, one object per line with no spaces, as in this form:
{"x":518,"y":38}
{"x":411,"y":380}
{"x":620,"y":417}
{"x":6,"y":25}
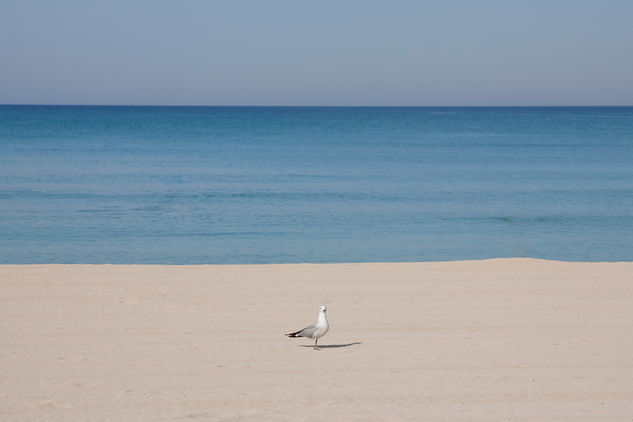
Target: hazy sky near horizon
{"x":346,"y":52}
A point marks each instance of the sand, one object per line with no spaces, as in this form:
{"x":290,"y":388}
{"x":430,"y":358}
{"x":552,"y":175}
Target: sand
{"x":503,"y":339}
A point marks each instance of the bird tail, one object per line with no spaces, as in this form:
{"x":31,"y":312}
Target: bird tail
{"x":293,"y":334}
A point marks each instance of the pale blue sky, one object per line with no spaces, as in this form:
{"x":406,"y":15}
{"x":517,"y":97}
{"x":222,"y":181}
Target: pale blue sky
{"x":396,"y":52}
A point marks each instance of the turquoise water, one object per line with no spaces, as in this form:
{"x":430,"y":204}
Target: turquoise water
{"x":197,"y":185}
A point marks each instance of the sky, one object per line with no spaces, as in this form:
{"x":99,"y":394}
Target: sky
{"x":294,"y":52}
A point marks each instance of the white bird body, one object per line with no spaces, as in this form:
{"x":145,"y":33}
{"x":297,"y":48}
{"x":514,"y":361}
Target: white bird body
{"x":316,"y":330}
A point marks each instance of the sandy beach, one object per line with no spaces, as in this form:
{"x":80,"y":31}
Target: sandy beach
{"x":503,"y":339}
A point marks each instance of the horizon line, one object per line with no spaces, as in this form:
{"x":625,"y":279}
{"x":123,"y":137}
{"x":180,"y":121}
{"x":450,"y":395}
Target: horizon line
{"x":307,"y":105}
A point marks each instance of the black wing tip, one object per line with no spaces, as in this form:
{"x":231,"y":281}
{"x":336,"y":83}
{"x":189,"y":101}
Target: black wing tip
{"x":291,"y":334}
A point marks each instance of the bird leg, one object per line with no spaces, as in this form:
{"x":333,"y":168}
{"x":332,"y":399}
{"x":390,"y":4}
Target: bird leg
{"x":316,"y":340}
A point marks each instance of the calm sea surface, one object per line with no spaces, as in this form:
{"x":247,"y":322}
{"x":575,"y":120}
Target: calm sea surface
{"x":237,"y":185}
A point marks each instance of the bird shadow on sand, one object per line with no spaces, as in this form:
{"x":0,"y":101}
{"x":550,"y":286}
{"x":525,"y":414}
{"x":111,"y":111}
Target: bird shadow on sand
{"x":331,"y":346}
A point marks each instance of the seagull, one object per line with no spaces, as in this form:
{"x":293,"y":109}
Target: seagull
{"x":316,"y":330}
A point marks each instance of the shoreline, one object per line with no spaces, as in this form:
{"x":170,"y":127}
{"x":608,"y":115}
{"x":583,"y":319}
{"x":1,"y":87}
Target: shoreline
{"x":495,"y":339}
{"x":516,"y":259}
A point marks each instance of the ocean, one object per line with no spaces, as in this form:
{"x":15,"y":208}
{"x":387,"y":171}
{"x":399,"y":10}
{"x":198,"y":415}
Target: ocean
{"x":250,"y":185}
